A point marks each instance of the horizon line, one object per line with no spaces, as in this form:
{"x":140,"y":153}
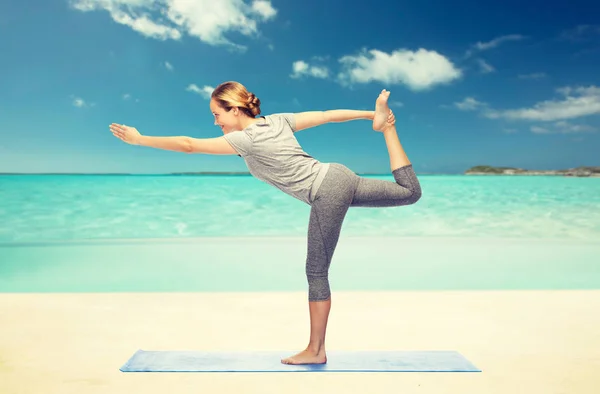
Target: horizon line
{"x":248,"y":173}
{"x":189,"y":173}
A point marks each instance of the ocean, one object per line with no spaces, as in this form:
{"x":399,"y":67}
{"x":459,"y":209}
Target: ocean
{"x":54,"y":226}
{"x":38,"y":208}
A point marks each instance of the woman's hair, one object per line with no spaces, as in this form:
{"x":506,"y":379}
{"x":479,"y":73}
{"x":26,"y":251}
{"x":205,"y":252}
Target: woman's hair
{"x":234,"y":94}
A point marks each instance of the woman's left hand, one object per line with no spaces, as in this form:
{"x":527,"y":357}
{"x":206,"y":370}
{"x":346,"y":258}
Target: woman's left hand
{"x":127,"y":134}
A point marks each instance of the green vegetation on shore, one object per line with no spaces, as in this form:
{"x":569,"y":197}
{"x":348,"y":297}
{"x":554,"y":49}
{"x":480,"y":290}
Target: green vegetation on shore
{"x":490,"y":170}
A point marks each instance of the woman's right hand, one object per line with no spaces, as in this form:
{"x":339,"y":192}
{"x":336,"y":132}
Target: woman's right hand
{"x":391,"y":119}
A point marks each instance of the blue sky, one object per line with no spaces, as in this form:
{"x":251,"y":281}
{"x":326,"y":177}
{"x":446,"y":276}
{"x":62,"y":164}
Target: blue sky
{"x":506,"y":84}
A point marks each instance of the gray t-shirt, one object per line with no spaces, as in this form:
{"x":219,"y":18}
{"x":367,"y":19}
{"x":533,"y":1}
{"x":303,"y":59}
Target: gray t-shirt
{"x":273,"y":155}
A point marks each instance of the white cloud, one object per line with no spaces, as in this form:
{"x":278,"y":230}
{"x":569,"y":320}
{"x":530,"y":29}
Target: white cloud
{"x":208,"y":20}
{"x":264,"y":9}
{"x":205,"y":91}
{"x":320,"y":58}
{"x":396,"y":104}
{"x":565,"y":127}
{"x":79,"y":102}
{"x":146,"y":26}
{"x":301,"y":68}
{"x":532,"y":76}
{"x":539,"y":130}
{"x":469,"y":104}
{"x":484,"y":46}
{"x":580,"y":33}
{"x":485,"y":67}
{"x":561,"y":127}
{"x":578,"y":102}
{"x":419,"y":70}
{"x":169,"y":66}
{"x":128,"y":96}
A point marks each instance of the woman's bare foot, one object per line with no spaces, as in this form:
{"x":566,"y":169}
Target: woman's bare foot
{"x":306,"y":357}
{"x":382,"y":111}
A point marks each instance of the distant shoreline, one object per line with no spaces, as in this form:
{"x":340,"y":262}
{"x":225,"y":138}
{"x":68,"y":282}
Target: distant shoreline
{"x":477,"y":170}
{"x":123,"y":173}
{"x":193,"y":173}
{"x":570,"y":172}
{"x":190,"y":174}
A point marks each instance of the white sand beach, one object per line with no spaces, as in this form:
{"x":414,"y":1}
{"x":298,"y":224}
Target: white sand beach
{"x":523,"y":341}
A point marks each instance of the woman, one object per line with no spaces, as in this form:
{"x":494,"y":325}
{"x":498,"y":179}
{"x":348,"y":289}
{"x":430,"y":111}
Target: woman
{"x":273,"y":155}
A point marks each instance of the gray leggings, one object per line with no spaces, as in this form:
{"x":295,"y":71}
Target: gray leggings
{"x":341,"y":188}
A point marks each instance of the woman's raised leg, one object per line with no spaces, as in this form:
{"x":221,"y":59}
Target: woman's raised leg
{"x":406,"y":189}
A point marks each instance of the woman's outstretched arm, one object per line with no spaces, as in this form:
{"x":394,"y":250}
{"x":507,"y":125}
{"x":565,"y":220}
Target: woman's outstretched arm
{"x":305,"y":120}
{"x":132,"y":136}
{"x":176,"y":144}
{"x":185,"y":144}
{"x":209,"y":146}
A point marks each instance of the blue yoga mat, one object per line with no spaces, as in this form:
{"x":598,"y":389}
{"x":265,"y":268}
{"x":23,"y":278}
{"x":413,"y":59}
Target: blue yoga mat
{"x":263,"y":361}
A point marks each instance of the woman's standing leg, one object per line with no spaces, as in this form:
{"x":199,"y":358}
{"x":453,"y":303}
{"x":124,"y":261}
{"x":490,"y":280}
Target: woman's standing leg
{"x":326,"y":217}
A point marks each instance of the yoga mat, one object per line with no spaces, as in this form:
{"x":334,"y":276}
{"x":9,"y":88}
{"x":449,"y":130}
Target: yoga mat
{"x":270,"y":361}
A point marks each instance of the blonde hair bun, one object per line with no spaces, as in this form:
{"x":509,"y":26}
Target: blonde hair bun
{"x":253,"y":104}
{"x":234,"y":94}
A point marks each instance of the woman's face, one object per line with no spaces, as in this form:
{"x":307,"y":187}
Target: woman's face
{"x":227,"y":121}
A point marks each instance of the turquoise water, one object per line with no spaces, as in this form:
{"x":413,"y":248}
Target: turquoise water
{"x":235,"y":233}
{"x":62,"y":208}
{"x":277,"y":264}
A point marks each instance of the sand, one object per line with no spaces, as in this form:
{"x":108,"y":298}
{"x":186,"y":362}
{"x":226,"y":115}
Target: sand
{"x":524,"y":341}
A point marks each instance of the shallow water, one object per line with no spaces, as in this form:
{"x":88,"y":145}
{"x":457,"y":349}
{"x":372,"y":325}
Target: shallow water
{"x":38,"y":208}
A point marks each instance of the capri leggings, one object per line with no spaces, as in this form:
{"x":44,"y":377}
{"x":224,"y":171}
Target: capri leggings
{"x":340,"y":189}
